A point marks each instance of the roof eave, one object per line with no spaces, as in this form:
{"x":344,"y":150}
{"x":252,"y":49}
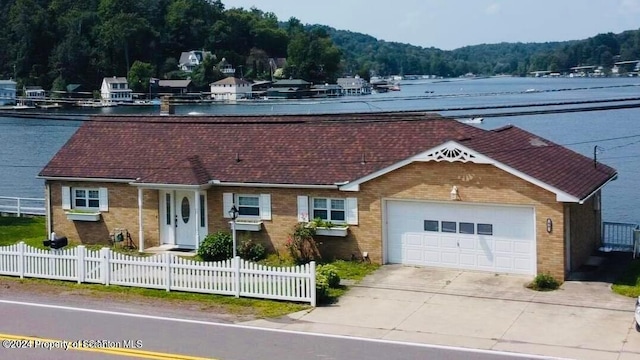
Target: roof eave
{"x":612,"y":178}
{"x":272,"y":185}
{"x":87,"y":179}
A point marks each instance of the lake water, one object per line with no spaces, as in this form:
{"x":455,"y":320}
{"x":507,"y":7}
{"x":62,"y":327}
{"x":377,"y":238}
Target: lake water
{"x":28,"y":144}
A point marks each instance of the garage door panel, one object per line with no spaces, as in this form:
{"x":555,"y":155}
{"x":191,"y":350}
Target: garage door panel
{"x":522,"y":266}
{"x":503,"y":245}
{"x":486,"y":262}
{"x":467,"y":243}
{"x":414,"y":255}
{"x":522,"y":248}
{"x":431,"y":257}
{"x":431,"y":241}
{"x":413,"y":240}
{"x":448,"y":258}
{"x":510,"y":248}
{"x":468,"y":260}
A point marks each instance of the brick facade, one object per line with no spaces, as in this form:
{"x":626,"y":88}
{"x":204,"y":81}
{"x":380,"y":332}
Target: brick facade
{"x":123,"y":213}
{"x":586,"y":230}
{"x":428,"y":181}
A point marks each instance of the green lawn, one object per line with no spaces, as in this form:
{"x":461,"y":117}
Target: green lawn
{"x":629,"y":283}
{"x":31,"y":230}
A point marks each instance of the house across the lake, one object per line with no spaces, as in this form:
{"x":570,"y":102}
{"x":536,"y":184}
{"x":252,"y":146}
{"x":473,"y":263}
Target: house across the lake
{"x":189,"y":60}
{"x":410,"y":188}
{"x":290,"y":89}
{"x":354,"y":86}
{"x":7,"y":92}
{"x":230,"y":89}
{"x":115,"y":90}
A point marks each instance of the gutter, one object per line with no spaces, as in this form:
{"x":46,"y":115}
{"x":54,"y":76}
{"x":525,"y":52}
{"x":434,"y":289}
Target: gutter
{"x":613,"y":178}
{"x":271,"y":185}
{"x":55,"y":178}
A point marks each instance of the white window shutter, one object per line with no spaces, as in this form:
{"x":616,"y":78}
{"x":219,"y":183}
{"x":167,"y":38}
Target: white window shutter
{"x":104,"y":199}
{"x":66,"y":198}
{"x":303,"y":208}
{"x":352,"y":211}
{"x":227,"y":203}
{"x":265,"y":206}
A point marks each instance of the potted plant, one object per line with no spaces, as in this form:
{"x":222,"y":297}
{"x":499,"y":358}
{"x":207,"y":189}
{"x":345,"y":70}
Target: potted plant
{"x":83,"y":215}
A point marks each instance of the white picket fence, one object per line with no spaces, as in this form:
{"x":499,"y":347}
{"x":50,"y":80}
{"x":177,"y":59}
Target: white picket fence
{"x":163,"y":271}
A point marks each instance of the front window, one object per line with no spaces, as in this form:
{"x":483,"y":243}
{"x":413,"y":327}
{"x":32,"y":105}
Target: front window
{"x":86,"y":198}
{"x":248,"y":205}
{"x":329,"y":209}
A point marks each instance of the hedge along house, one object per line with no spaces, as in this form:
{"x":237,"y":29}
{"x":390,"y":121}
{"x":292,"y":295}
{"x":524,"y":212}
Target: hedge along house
{"x":412,"y":188}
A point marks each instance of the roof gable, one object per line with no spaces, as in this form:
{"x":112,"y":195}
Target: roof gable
{"x":115,"y":80}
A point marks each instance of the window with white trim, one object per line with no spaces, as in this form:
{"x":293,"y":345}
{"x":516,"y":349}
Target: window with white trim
{"x":329,"y":209}
{"x":248,"y":205}
{"x":85,"y":198}
{"x":252,"y":206}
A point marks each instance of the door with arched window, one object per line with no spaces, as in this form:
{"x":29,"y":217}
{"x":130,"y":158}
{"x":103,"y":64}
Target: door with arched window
{"x":183,"y":219}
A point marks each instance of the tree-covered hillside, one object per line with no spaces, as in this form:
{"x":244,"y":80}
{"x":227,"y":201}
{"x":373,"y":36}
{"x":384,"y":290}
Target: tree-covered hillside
{"x":363,"y":53}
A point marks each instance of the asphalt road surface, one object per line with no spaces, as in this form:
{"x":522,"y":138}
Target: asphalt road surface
{"x":39,"y":331}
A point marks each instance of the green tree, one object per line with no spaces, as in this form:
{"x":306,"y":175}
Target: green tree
{"x":313,"y":56}
{"x":204,"y":74}
{"x":139,"y":76}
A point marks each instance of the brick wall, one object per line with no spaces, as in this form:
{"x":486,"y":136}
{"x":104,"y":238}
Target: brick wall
{"x":123,"y":213}
{"x":585,"y":231}
{"x":425,"y":181}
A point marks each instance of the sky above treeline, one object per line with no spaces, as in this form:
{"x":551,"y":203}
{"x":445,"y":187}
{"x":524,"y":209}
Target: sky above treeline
{"x":451,"y":24}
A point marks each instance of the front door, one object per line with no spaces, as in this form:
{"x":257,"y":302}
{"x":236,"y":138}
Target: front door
{"x":185,"y":220}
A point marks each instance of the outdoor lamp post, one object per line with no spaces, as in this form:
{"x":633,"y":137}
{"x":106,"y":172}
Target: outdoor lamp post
{"x":233,"y":212}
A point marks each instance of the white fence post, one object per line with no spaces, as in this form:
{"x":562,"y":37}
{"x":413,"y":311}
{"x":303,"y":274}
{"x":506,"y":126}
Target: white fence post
{"x":313,"y":283}
{"x":80,"y":269}
{"x":19,"y":212}
{"x":236,"y":265}
{"x":166,"y":257}
{"x":21,"y":258}
{"x":105,"y":256}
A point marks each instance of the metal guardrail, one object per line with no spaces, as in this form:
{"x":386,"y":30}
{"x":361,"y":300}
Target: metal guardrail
{"x":22,"y":206}
{"x":619,"y":236}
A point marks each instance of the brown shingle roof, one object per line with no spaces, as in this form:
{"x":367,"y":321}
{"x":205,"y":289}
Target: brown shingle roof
{"x":306,"y":150}
{"x":544,"y":160}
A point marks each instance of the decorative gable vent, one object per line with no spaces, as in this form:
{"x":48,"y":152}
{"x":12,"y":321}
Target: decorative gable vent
{"x":451,"y":154}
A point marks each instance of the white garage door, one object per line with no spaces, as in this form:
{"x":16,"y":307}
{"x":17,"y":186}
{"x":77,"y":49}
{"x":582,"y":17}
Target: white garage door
{"x":462,"y":236}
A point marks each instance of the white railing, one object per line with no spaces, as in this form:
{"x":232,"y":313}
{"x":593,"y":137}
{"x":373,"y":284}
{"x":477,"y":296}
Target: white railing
{"x":619,"y":236}
{"x":22,"y":206}
{"x":163,"y":271}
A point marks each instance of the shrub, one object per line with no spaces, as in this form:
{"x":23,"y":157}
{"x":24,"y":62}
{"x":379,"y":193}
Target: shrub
{"x":252,"y":251}
{"x":331,"y":273}
{"x":216,"y":247}
{"x":544,"y":282}
{"x":322,"y":288}
{"x":301,"y":244}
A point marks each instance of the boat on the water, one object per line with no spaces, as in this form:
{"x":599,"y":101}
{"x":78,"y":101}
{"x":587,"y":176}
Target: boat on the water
{"x":49,"y":106}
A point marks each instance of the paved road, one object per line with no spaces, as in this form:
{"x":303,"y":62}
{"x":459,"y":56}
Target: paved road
{"x":34,"y":327}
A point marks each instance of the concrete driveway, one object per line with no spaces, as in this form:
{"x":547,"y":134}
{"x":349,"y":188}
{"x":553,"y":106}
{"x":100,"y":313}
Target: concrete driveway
{"x":582,"y":320}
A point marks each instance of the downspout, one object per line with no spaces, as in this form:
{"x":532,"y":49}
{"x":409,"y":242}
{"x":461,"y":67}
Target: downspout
{"x":49,"y":218}
{"x":140,"y":222}
{"x":197,"y":210}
